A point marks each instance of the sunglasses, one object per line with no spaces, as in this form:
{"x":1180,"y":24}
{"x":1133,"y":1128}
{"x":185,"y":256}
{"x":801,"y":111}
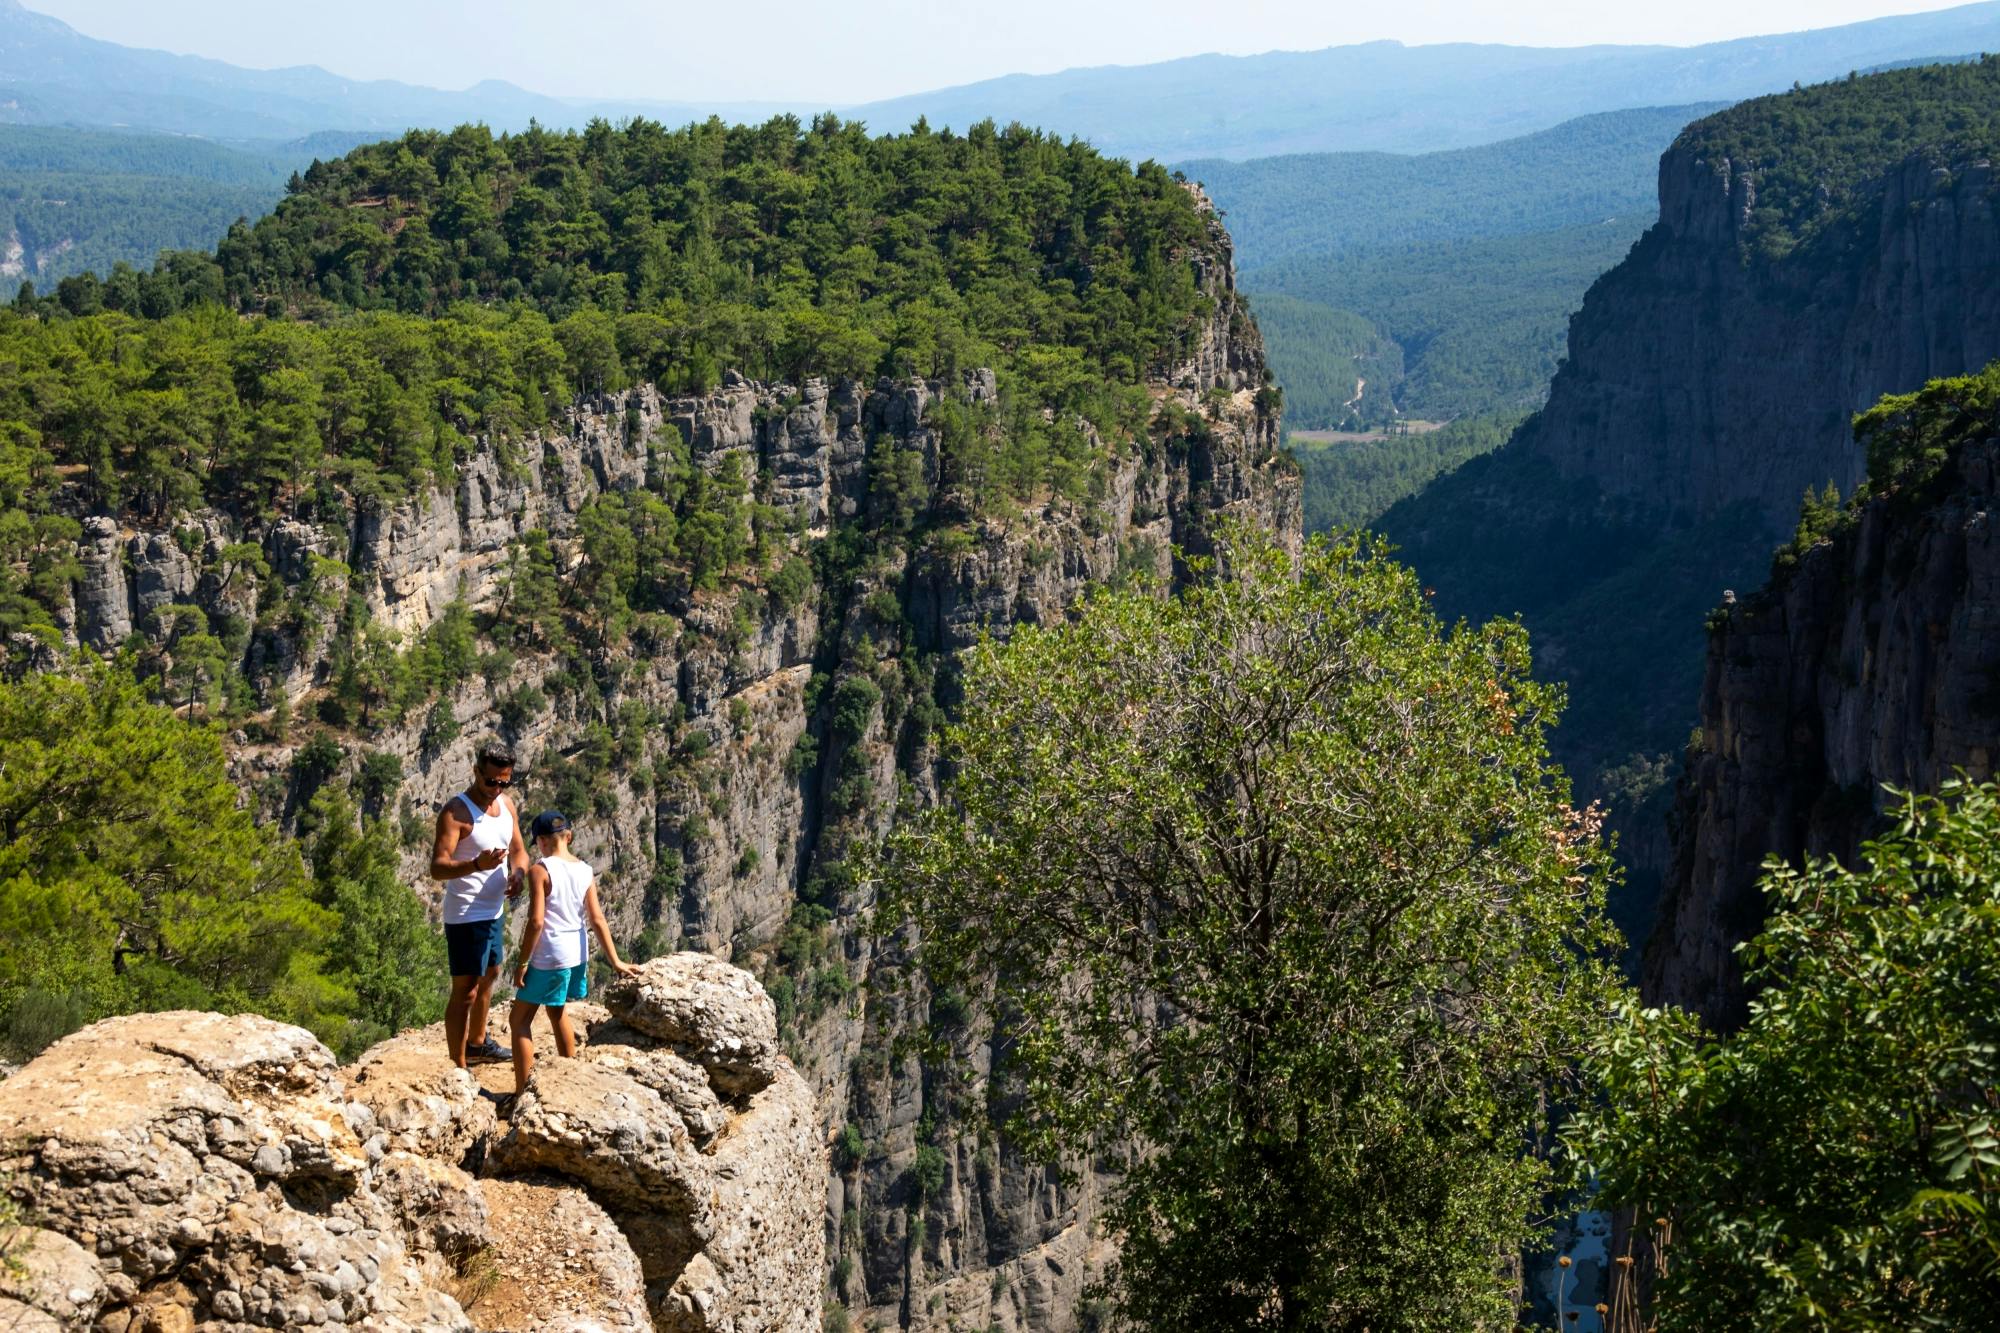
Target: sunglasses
{"x":498,"y":784}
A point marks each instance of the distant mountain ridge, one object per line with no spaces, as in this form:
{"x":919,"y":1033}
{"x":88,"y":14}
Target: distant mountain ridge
{"x":51,"y":74}
{"x":1390,"y":97}
{"x":1375,"y":95}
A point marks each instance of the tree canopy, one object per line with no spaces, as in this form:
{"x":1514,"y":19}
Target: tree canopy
{"x":1836,"y":1163}
{"x":781,"y":250}
{"x":132,"y":879}
{"x":1819,"y":151}
{"x":1277,"y":899}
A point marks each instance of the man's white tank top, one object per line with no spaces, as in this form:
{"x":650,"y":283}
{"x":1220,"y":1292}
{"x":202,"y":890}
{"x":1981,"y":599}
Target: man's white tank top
{"x":481,"y":895}
{"x":562,"y":940}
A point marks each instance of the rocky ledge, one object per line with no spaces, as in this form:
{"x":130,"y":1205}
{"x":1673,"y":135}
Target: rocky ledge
{"x":187,"y":1171}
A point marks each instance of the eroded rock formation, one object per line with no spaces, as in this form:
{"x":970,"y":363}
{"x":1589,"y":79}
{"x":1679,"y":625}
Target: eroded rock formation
{"x":194,"y":1171}
{"x":1875,"y":660}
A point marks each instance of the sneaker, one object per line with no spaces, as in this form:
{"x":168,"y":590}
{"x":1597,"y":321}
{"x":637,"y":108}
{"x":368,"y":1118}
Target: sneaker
{"x":487,"y":1052}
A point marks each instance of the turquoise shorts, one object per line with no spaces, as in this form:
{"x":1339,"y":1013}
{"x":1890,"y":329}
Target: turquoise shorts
{"x":555,"y":986}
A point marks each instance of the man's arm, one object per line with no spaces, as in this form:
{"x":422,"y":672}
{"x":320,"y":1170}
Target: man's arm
{"x":517,"y":851}
{"x":444,"y":850}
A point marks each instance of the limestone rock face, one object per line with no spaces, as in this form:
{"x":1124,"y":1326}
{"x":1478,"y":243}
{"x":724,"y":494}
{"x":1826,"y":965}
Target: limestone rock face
{"x":595,"y":1124}
{"x":1698,"y":378}
{"x":103,"y":599}
{"x":173,"y":1147}
{"x":196,"y":1171}
{"x":1873,"y":661}
{"x":422,"y":1103}
{"x":53,"y":1283}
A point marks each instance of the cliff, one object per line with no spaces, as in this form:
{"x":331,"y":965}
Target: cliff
{"x":723,"y":759}
{"x":1873,"y":661}
{"x":1703,"y":374}
{"x":1815,"y":250}
{"x":189,"y":1170}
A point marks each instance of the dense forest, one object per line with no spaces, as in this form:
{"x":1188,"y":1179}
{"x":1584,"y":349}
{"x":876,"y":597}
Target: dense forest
{"x":87,"y":200}
{"x":1482,"y":323}
{"x":1350,"y":484}
{"x":1443,"y":280}
{"x":1817,"y":151}
{"x":782,"y":251}
{"x":1332,"y":203}
{"x":779,"y":250}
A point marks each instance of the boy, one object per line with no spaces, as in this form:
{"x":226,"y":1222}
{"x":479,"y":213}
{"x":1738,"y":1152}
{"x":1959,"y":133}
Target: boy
{"x":553,"y":965}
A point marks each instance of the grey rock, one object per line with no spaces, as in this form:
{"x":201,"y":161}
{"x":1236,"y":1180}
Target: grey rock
{"x":103,"y":598}
{"x":1872,"y":662}
{"x":715,"y":1014}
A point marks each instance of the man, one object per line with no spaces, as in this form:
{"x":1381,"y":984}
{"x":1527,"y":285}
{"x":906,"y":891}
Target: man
{"x":480,"y":856}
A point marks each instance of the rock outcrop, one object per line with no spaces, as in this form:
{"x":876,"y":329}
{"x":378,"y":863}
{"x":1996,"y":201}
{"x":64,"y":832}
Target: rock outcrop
{"x":1876,"y":660}
{"x":195,"y":1171}
{"x":1700,"y":376}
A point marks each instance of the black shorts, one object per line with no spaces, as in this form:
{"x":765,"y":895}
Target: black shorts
{"x":475,"y":947}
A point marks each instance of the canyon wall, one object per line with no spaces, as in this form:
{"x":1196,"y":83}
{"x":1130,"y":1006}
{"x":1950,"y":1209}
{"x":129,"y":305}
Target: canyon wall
{"x":1874,"y":660}
{"x":1702,"y":375}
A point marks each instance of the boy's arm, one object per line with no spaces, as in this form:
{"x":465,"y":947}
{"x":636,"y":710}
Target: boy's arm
{"x":602,"y":929}
{"x":538,"y":912}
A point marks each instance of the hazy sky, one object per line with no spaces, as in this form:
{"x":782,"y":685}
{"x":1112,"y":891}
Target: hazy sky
{"x":797,"y":50}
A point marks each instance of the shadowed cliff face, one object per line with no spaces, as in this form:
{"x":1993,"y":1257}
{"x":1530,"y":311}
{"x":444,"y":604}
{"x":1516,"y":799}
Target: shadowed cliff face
{"x":1875,"y":660}
{"x":1700,"y":376}
{"x":720,"y":819}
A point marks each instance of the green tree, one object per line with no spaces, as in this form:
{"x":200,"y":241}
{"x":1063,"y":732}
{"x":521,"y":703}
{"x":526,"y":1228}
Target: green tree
{"x":1279,"y":895}
{"x":1836,"y":1163}
{"x":130,"y":878}
{"x":385,"y":950}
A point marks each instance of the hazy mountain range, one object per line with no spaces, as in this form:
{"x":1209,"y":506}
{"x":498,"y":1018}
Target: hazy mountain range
{"x":1377,"y":95}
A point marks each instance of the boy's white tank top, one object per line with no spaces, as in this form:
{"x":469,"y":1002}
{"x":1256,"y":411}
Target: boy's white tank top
{"x":562,"y":940}
{"x":481,"y":895}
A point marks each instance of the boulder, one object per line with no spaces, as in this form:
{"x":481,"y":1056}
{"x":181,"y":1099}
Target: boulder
{"x":422,"y":1103}
{"x":714,"y":1014}
{"x":617,"y":1137}
{"x":442,"y":1211}
{"x":210,"y":1164}
{"x":680,"y":1082}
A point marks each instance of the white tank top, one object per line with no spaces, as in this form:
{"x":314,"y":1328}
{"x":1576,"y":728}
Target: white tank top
{"x":562,"y":940}
{"x":481,"y":895}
